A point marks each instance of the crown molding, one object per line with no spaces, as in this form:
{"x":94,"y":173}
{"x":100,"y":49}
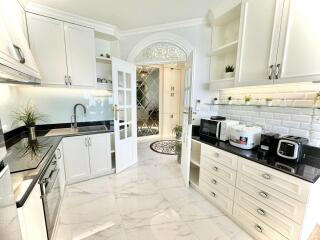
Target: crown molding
{"x":164,"y":27}
{"x":98,"y":26}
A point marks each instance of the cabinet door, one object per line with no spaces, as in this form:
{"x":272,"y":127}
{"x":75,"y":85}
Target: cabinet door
{"x":169,"y":122}
{"x":13,"y":17}
{"x":259,"y":35}
{"x":172,"y":80}
{"x":171,"y":103}
{"x":299,"y":51}
{"x":60,"y":160}
{"x":100,"y":154}
{"x":80,"y":55}
{"x":76,"y":158}
{"x":46,"y":36}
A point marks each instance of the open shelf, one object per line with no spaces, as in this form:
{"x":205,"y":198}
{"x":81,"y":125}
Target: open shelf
{"x":104,"y":59}
{"x":222,"y":80}
{"x":194,"y":175}
{"x":226,"y":48}
{"x":195,"y":153}
{"x":259,"y":105}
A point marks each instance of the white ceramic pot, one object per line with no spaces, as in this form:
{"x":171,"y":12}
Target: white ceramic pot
{"x":228,"y":74}
{"x":269,"y":103}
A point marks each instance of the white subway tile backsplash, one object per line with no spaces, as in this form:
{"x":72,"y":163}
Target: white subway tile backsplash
{"x":291,"y":111}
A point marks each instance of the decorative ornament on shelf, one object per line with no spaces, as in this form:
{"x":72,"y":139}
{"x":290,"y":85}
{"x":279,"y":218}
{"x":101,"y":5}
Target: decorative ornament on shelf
{"x":269,"y":101}
{"x":230,"y":100}
{"x":229,"y":71}
{"x":29,"y":115}
{"x":247,"y":100}
{"x":215,"y":101}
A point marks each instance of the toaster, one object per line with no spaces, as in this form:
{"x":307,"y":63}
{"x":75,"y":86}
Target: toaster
{"x":290,"y":147}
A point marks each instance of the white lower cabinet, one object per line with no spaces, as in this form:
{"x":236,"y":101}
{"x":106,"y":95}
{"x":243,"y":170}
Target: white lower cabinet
{"x":86,"y":157}
{"x":31,"y":217}
{"x":266,"y":203}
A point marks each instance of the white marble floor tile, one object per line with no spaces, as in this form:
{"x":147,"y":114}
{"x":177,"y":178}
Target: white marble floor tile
{"x":168,"y":231}
{"x":221,"y":228}
{"x":147,"y":201}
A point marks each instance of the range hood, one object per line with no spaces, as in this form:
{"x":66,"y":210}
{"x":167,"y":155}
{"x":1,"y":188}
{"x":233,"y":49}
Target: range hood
{"x":10,"y":75}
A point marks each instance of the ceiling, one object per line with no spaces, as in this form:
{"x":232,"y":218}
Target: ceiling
{"x":130,"y":14}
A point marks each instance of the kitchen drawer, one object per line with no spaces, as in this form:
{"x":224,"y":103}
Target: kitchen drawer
{"x":273,"y":218}
{"x":216,"y":182}
{"x":216,"y":197}
{"x":219,"y":170}
{"x":284,"y":183}
{"x":227,"y":159}
{"x":282,"y":203}
{"x":258,"y":229}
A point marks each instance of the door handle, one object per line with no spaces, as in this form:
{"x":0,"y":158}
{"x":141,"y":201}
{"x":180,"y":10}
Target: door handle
{"x":20,"y":54}
{"x":69,"y":80}
{"x":270,"y":72}
{"x":115,"y":112}
{"x":65,"y":79}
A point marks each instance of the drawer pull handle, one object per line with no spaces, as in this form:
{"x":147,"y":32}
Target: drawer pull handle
{"x":266,"y":176}
{"x":214,"y":181}
{"x":258,"y":228}
{"x":213,"y":194}
{"x":261,"y":212}
{"x":215,"y":168}
{"x":263,"y":194}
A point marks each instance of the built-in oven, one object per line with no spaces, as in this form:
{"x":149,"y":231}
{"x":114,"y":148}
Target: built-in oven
{"x":50,"y":194}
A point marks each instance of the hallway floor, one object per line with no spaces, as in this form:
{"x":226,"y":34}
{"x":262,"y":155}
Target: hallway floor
{"x":146,"y":202}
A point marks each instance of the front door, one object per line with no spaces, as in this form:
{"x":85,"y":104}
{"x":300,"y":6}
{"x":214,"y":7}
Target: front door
{"x":187,"y":121}
{"x":125,"y":113}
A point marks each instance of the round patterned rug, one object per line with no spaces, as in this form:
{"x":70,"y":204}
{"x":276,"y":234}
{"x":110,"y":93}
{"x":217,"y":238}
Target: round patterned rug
{"x":165,"y":147}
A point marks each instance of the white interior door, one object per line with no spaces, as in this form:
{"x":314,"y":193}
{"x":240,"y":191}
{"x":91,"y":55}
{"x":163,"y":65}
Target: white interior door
{"x":187,"y":120}
{"x":125,"y":113}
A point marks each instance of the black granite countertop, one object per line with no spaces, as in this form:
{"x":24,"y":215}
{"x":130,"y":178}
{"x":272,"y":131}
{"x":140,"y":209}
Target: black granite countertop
{"x":28,"y":160}
{"x":26,"y":176}
{"x":307,"y":169}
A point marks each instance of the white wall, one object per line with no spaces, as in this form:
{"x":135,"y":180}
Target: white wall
{"x":200,"y":38}
{"x":56,"y":103}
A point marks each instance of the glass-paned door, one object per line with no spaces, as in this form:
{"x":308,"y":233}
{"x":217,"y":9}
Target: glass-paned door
{"x":187,"y":121}
{"x":125,"y":113}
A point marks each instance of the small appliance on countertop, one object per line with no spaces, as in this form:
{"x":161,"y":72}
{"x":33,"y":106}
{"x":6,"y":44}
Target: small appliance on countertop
{"x":268,"y":145}
{"x":290,"y":147}
{"x":245,"y":137}
{"x":216,"y":128}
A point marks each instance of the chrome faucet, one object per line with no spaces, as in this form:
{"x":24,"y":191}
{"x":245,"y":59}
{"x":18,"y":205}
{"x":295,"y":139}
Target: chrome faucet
{"x":75,"y":123}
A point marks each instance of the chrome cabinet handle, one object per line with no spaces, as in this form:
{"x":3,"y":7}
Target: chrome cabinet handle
{"x":86,"y":141}
{"x":266,"y":176}
{"x":261,"y":212}
{"x":59,"y":151}
{"x":270,"y":72}
{"x":214,"y":181}
{"x":277,"y":72}
{"x":215,"y":168}
{"x":258,"y":228}
{"x":69,"y":80}
{"x":213,"y":194}
{"x":263,"y":194}
{"x":89,"y":140}
{"x":65,"y":79}
{"x":19,"y":52}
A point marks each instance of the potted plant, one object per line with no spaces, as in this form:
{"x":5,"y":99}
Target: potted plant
{"x":229,"y":100}
{"x":215,"y":101}
{"x":178,"y":147}
{"x":177,"y":130}
{"x":247,"y":100}
{"x":29,"y":115}
{"x":229,"y":71}
{"x":269,"y":101}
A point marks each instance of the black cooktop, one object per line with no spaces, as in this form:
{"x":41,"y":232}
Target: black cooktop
{"x":27,"y":154}
{"x":307,"y":169}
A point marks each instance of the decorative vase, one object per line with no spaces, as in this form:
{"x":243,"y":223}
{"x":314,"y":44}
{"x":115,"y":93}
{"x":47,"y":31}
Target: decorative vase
{"x":269,"y":103}
{"x":228,"y":74}
{"x":229,"y":102}
{"x":32,"y":133}
{"x":247,"y":102}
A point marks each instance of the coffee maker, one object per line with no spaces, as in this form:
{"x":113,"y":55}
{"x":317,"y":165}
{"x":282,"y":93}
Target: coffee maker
{"x":268,"y":145}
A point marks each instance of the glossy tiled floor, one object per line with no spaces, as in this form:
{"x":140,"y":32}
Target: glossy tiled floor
{"x":146,"y":202}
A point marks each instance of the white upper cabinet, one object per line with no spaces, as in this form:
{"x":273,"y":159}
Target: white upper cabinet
{"x":65,"y":52}
{"x":259,"y":31}
{"x":14,"y":47}
{"x":80,"y":55}
{"x":279,"y":42}
{"x":299,"y":51}
{"x":46,"y":37}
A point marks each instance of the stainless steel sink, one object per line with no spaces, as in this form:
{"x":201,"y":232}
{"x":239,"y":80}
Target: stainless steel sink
{"x":91,"y":128}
